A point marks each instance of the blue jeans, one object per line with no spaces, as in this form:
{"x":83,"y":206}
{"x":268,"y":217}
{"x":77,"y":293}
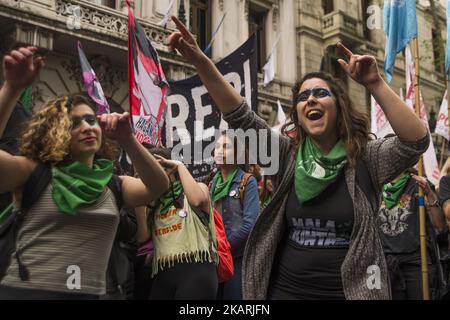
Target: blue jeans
{"x":232,"y":289}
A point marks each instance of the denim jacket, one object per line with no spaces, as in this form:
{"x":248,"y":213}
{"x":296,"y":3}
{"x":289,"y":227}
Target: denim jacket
{"x":239,"y":220}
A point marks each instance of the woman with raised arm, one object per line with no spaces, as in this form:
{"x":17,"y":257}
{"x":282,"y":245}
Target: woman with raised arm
{"x":63,"y":244}
{"x":184,"y":263}
{"x":318,"y":239}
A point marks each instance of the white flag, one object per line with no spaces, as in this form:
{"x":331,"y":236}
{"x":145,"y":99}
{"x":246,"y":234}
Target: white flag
{"x":269,"y":67}
{"x":269,"y":71}
{"x":430,"y":162}
{"x":380,"y":125}
{"x":281,"y":116}
{"x":442,"y":122}
{"x":168,"y":14}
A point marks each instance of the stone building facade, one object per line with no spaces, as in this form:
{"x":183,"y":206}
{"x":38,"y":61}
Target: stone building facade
{"x":309,"y":31}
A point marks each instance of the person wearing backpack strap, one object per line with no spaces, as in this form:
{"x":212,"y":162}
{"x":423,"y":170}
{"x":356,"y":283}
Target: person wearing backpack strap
{"x":235,"y":196}
{"x":316,"y":198}
{"x":185,"y":256}
{"x":63,"y":242}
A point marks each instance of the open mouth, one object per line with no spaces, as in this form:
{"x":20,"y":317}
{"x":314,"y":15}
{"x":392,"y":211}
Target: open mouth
{"x":314,"y":115}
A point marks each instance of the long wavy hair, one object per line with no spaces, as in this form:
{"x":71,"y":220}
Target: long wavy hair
{"x":47,"y":136}
{"x":352,"y":124}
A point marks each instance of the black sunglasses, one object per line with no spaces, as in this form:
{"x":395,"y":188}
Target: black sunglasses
{"x":91,"y":119}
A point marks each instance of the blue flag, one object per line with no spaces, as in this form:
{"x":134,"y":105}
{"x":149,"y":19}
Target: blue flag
{"x":447,"y":50}
{"x":400,"y":26}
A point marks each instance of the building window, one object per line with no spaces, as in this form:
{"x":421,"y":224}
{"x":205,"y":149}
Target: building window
{"x":257,"y":24}
{"x":106,"y":3}
{"x":437,"y":58}
{"x":327,"y":6}
{"x":367,"y":33}
{"x":200,"y":21}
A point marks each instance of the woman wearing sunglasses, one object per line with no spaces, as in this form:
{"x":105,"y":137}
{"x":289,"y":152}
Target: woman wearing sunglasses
{"x":66,"y":237}
{"x":318,"y":238}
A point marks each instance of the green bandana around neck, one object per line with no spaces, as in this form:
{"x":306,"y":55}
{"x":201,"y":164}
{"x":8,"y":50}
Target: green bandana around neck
{"x":393,"y":190}
{"x":314,"y":171}
{"x":77,"y":184}
{"x":266,"y":202}
{"x":174,"y":192}
{"x":221,"y":188}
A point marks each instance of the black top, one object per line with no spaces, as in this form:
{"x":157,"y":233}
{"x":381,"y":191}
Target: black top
{"x":399,"y":226}
{"x":309,"y":259}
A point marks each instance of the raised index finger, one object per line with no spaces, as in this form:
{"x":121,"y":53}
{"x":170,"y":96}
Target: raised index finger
{"x":344,"y":50}
{"x":184,"y":31}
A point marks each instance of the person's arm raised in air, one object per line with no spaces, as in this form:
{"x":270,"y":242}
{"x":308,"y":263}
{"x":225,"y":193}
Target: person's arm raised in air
{"x":20,"y":70}
{"x":153,"y":181}
{"x":196,"y":193}
{"x":222,"y":92}
{"x":387,"y":158}
{"x":364,"y":70}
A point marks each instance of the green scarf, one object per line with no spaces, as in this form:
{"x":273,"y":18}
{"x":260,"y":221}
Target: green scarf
{"x":266,"y":202}
{"x":221,"y":188}
{"x":26,"y":99}
{"x":314,"y":171}
{"x":6,"y":213}
{"x":76,"y":184}
{"x":174,"y":192}
{"x":392,"y":191}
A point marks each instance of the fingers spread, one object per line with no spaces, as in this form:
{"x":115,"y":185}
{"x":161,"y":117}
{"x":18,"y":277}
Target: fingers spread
{"x":343,"y":64}
{"x":344,"y":50}
{"x":184,"y":31}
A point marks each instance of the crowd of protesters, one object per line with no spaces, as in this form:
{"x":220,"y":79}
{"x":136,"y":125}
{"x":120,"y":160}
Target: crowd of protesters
{"x":342,"y":200}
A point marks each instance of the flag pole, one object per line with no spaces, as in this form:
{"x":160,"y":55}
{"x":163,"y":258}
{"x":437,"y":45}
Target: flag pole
{"x":444,"y":141}
{"x":441,"y":160}
{"x":422,"y":234}
{"x":447,"y":79}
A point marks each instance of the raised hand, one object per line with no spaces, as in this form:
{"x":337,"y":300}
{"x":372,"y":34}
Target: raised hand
{"x":20,"y":69}
{"x":184,"y":42}
{"x":116,"y":126}
{"x":362,"y":69}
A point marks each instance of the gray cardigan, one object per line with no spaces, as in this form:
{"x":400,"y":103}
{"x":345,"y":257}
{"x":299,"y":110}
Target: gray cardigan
{"x":384,"y":158}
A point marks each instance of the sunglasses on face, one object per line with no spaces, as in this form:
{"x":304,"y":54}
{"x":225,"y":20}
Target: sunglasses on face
{"x":317,"y":93}
{"x":91,"y":120}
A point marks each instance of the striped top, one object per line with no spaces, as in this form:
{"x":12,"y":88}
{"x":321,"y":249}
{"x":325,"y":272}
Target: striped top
{"x":66,"y":253}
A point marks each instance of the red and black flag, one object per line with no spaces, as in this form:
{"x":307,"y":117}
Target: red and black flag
{"x":148,"y":85}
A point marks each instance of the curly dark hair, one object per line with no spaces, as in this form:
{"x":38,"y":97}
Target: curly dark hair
{"x":47,"y":135}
